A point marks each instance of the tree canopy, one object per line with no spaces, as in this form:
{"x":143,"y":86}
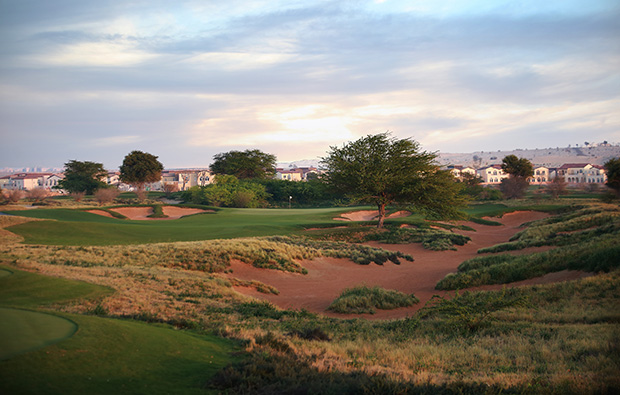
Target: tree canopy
{"x":384,"y":170}
{"x":245,"y":164}
{"x":139,"y":168}
{"x":612,"y":167}
{"x":517,"y":167}
{"x":83,"y":177}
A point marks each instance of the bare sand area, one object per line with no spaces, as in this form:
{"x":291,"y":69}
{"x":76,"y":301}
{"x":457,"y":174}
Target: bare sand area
{"x":142,"y":213}
{"x":328,"y":277}
{"x":369,"y":215}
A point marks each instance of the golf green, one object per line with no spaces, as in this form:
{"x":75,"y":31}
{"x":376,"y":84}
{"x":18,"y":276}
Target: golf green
{"x":4,"y":273}
{"x":23,"y":330}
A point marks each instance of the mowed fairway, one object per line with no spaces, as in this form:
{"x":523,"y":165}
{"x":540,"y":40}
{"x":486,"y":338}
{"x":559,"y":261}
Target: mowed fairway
{"x":75,"y":227}
{"x":94,"y":355}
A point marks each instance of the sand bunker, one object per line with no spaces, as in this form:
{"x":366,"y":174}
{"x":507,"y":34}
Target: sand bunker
{"x":142,"y":213}
{"x":369,"y":215}
{"x":328,"y":277}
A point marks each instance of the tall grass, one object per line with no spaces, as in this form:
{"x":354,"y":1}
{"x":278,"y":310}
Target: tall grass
{"x":365,"y":300}
{"x":598,"y":255}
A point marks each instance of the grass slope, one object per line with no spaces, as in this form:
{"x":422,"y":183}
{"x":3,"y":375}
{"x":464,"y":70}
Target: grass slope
{"x":105,"y":355}
{"x":73,"y":227}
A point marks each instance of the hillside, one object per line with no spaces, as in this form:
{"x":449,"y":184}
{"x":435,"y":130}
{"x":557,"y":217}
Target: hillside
{"x":550,"y":157}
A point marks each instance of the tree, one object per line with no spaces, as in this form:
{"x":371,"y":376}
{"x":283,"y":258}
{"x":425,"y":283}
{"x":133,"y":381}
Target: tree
{"x":245,"y":165}
{"x":557,"y":187}
{"x":38,"y":195}
{"x":384,"y":170}
{"x":139,"y":168}
{"x":612,"y":167}
{"x":106,"y":195}
{"x":83,"y":176}
{"x":517,"y":167}
{"x":519,"y":170}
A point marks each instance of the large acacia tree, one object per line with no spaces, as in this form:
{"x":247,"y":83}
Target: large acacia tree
{"x":245,"y":164}
{"x":383,"y":170}
{"x":83,"y":176}
{"x":140,"y":168}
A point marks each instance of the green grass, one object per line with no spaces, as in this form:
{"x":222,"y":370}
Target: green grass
{"x":74,"y":227}
{"x":118,"y":356}
{"x":29,"y":290}
{"x":22,"y":331}
{"x":105,"y":355}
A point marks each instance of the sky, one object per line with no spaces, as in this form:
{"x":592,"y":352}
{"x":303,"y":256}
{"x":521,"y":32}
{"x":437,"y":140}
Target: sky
{"x":185,"y":80}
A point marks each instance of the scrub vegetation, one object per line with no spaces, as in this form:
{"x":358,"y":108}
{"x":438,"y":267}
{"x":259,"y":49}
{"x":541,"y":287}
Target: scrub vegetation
{"x":588,"y":240}
{"x":559,"y":338}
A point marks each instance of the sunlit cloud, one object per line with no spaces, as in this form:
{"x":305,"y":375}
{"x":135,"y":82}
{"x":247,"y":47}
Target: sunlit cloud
{"x":190,"y":79}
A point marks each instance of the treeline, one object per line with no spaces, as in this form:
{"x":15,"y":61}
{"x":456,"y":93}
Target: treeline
{"x":229,"y":191}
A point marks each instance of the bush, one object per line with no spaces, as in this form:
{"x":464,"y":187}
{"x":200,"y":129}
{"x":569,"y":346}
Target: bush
{"x":78,"y":196}
{"x":106,"y":195}
{"x":38,"y":194}
{"x":13,"y":195}
{"x":364,"y":300}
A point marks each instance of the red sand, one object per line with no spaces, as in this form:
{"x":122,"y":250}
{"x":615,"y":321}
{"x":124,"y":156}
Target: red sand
{"x":369,"y":215}
{"x":328,"y":277}
{"x":142,"y":213}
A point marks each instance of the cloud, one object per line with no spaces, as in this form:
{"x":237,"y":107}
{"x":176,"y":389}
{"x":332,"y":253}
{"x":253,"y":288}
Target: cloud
{"x":293,"y":77}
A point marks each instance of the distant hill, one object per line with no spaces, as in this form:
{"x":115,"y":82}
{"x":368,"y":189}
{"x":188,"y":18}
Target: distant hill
{"x":549,"y":157}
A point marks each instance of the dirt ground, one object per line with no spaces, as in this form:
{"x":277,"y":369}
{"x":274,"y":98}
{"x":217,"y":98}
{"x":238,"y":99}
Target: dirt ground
{"x":328,"y":277}
{"x":369,"y":215}
{"x":142,"y":213}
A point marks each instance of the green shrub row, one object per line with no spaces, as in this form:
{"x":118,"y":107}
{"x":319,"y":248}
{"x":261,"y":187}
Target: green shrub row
{"x":431,"y":239}
{"x":600,"y":254}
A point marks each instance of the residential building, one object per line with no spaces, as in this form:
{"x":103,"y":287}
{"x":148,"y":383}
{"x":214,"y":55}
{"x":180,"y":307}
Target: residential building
{"x":492,"y":174}
{"x":541,"y":175}
{"x":579,"y":173}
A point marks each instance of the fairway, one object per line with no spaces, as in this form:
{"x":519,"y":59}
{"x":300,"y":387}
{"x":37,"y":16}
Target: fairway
{"x":22,"y":331}
{"x":75,"y":227}
{"x":78,"y":354}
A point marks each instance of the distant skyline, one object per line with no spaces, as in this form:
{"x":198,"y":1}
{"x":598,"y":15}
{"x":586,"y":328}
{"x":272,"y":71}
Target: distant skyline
{"x":186,"y":80}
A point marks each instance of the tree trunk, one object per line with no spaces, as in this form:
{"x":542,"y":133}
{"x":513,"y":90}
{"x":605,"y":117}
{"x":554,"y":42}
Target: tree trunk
{"x":381,"y":215}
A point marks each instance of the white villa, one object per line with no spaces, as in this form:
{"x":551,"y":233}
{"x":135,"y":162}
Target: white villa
{"x":458,"y":171}
{"x":28,"y":181}
{"x":492,"y":174}
{"x":295,"y":174}
{"x":582,"y":173}
{"x":541,"y":175}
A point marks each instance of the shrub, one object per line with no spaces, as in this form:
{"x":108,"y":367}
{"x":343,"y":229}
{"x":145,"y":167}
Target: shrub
{"x":13,"y":195}
{"x":364,"y":300}
{"x":170,"y":188}
{"x":78,"y":196}
{"x":38,"y":194}
{"x":106,"y":195}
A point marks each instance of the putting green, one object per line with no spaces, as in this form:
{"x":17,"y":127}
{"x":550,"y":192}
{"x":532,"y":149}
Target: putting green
{"x":4,"y":273}
{"x":22,"y":331}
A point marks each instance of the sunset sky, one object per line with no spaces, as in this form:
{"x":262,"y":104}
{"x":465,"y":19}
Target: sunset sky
{"x":184,"y":80}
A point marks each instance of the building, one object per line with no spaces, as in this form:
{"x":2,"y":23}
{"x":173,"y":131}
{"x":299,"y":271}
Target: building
{"x":492,"y":174}
{"x":582,"y":173}
{"x":29,"y":181}
{"x":289,"y":175}
{"x":541,"y":175}
{"x":458,"y":171}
